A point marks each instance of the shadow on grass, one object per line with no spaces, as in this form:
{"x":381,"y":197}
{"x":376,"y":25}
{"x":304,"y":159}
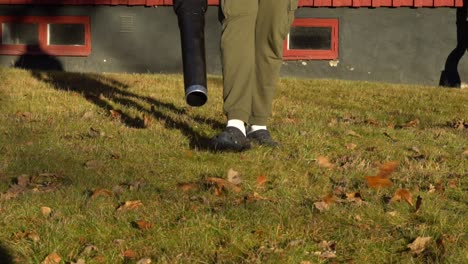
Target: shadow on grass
{"x":109,"y":94}
{"x":5,"y":256}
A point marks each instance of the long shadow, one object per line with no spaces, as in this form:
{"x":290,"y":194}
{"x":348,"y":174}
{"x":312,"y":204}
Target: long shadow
{"x":5,"y":256}
{"x":450,"y":76}
{"x":108,"y":94}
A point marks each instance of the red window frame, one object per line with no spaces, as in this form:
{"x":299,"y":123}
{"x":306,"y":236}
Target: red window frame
{"x":43,"y":47}
{"x":313,"y":54}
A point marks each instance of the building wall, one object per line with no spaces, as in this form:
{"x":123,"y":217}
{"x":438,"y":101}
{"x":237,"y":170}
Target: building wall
{"x":400,"y":45}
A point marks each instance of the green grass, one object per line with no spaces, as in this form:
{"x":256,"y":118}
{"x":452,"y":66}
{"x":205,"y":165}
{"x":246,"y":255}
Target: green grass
{"x":94,"y":131}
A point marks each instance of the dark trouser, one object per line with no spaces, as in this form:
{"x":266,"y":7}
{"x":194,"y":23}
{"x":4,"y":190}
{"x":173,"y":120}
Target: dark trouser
{"x":252,"y":51}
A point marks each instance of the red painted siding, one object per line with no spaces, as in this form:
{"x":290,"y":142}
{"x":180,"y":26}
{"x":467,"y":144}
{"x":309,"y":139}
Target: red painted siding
{"x":314,"y":3}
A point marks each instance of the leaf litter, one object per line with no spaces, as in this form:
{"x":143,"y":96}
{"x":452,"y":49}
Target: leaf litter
{"x":382,"y":179}
{"x":44,"y":182}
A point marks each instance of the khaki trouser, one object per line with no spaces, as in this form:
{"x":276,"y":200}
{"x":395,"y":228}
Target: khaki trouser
{"x":252,"y":51}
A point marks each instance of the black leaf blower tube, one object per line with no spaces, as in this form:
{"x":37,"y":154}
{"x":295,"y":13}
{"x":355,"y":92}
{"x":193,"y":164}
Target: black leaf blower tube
{"x":191,"y":18}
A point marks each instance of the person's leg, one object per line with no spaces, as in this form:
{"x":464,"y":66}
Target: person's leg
{"x":238,"y":56}
{"x":238,"y":62}
{"x":273,"y":23}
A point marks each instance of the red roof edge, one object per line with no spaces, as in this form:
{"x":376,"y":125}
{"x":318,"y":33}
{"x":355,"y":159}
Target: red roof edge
{"x":302,"y":3}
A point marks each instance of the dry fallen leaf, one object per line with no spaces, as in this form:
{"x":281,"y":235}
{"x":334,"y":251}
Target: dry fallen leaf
{"x":392,"y":213}
{"x":52,"y":258}
{"x":89,"y":250}
{"x":324,"y":205}
{"x":223,"y":184}
{"x":419,"y":245}
{"x":354,"y":197}
{"x":412,"y":123}
{"x":321,"y":206}
{"x":403,"y":194}
{"x":143,"y":225}
{"x":382,"y":179}
{"x":465,"y":153}
{"x":129,"y":254}
{"x":144,"y":261}
{"x":234,"y":177}
{"x":115,"y":114}
{"x":46,"y":211}
{"x":378,"y":182}
{"x":189,"y":186}
{"x":33,"y":236}
{"x":100,"y":192}
{"x":324,"y":162}
{"x":261,"y":180}
{"x":130,"y":205}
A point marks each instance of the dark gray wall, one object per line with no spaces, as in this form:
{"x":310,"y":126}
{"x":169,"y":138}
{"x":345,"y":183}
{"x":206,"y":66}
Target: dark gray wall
{"x":401,"y":45}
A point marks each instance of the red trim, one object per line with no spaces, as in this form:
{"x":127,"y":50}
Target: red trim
{"x":331,"y":54}
{"x":313,"y":3}
{"x":43,"y":47}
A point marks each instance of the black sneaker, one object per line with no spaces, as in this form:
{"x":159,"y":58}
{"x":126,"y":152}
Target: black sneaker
{"x":262,"y":137}
{"x":231,"y":139}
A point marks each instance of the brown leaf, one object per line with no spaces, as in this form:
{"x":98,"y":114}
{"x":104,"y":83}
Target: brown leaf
{"x":324,"y":162}
{"x":234,"y":177}
{"x":189,"y":186}
{"x":354,"y":197}
{"x":52,"y":258}
{"x":144,"y":261}
{"x":387,"y":168}
{"x":321,"y":206}
{"x":452,"y":184}
{"x":223,"y":184}
{"x":328,"y":199}
{"x":419,"y":245}
{"x":89,"y":250}
{"x":33,"y":236}
{"x":129,"y":254}
{"x":261,"y":180}
{"x":378,"y":182}
{"x":465,"y":153}
{"x":130,"y":205}
{"x":382,"y":178}
{"x":45,"y":211}
{"x":403,"y":194}
{"x":115,"y":114}
{"x":143,"y":225}
{"x":100,"y":192}
{"x":412,"y":123}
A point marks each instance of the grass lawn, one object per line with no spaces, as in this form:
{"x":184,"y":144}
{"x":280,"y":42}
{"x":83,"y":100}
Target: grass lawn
{"x":113,"y":168}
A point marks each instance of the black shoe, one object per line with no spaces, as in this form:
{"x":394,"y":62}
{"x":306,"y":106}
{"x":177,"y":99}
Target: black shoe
{"x":262,"y":137}
{"x":231,"y":139}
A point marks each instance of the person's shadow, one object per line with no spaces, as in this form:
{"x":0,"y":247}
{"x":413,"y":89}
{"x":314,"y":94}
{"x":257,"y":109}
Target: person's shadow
{"x":450,"y":76}
{"x":5,"y":256}
{"x":110,"y":95}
